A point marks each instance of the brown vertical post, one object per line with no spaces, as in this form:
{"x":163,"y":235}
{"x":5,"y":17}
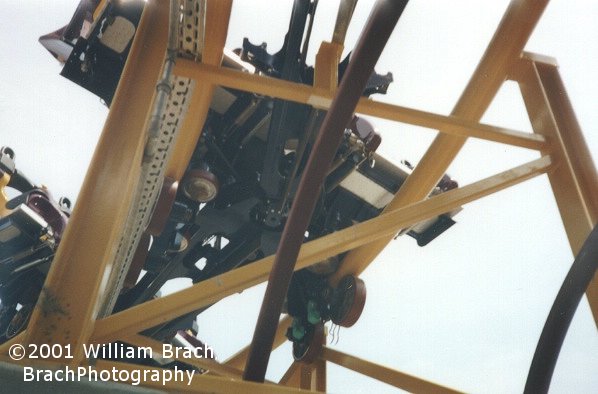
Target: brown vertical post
{"x":378,"y":28}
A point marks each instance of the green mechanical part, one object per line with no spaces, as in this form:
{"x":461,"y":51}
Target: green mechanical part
{"x":298,"y":331}
{"x":313,"y":313}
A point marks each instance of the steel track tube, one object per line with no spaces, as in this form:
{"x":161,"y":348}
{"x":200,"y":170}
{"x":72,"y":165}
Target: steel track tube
{"x":377,"y":30}
{"x":561,"y":314}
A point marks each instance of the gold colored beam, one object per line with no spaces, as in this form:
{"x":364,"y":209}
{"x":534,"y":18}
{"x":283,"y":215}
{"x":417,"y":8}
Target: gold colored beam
{"x":505,"y":48}
{"x":390,"y":376}
{"x":217,"y":19}
{"x":19,"y":338}
{"x":154,"y":312}
{"x":573,"y":180}
{"x":202,"y":363}
{"x":239,"y":359}
{"x":326,"y":69}
{"x":531,"y":57}
{"x":67,"y":306}
{"x":320,"y":371}
{"x":291,"y":377}
{"x":343,"y":19}
{"x":571,"y":137}
{"x":307,"y":377}
{"x":200,"y":383}
{"x":4,"y":179}
{"x":321,"y":98}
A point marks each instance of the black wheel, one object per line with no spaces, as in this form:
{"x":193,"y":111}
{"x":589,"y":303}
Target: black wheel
{"x":19,"y":321}
{"x":6,"y":315}
{"x":307,"y":350}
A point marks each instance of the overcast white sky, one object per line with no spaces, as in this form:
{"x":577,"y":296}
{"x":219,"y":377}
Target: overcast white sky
{"x":465,"y":311}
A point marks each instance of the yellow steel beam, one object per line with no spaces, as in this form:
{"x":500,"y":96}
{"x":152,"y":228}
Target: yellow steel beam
{"x":326,"y":69}
{"x":307,"y":377}
{"x":4,"y":179}
{"x":200,"y":383}
{"x":202,"y":363}
{"x":572,"y":206}
{"x":312,"y":376}
{"x":395,"y":378}
{"x":573,"y":180}
{"x":571,"y":138}
{"x":164,"y":309}
{"x":343,"y":18}
{"x":505,"y":48}
{"x":217,"y":19}
{"x":4,"y":348}
{"x":291,"y":377}
{"x":320,"y":371}
{"x":67,"y":306}
{"x":322,"y":98}
{"x":239,"y":359}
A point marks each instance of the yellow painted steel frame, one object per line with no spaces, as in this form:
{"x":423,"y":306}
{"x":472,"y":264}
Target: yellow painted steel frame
{"x":66,"y":311}
{"x":4,"y":179}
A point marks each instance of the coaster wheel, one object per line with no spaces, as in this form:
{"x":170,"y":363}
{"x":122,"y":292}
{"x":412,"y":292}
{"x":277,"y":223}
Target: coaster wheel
{"x":19,"y":321}
{"x":348,"y":301}
{"x":308,"y":350}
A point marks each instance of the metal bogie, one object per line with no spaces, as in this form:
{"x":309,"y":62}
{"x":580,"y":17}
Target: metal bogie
{"x":216,"y":180}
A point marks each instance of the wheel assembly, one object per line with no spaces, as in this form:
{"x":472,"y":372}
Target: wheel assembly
{"x":201,"y":185}
{"x":348,"y":300}
{"x":163,"y":206}
{"x":309,"y":347}
{"x":19,"y":321}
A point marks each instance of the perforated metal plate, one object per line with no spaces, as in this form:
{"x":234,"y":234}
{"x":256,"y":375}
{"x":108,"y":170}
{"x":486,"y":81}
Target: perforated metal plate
{"x":192,"y":28}
{"x":151,"y":179}
{"x":190,"y":37}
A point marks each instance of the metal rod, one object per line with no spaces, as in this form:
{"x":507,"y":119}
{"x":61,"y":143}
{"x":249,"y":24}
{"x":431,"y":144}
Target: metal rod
{"x":378,"y":28}
{"x":561,"y":314}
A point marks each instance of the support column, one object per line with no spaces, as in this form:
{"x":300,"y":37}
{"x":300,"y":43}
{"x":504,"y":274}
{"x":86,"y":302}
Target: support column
{"x":505,"y":48}
{"x":217,"y":19}
{"x":378,"y":28}
{"x":68,"y":304}
{"x":320,"y":371}
{"x":573,"y":180}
